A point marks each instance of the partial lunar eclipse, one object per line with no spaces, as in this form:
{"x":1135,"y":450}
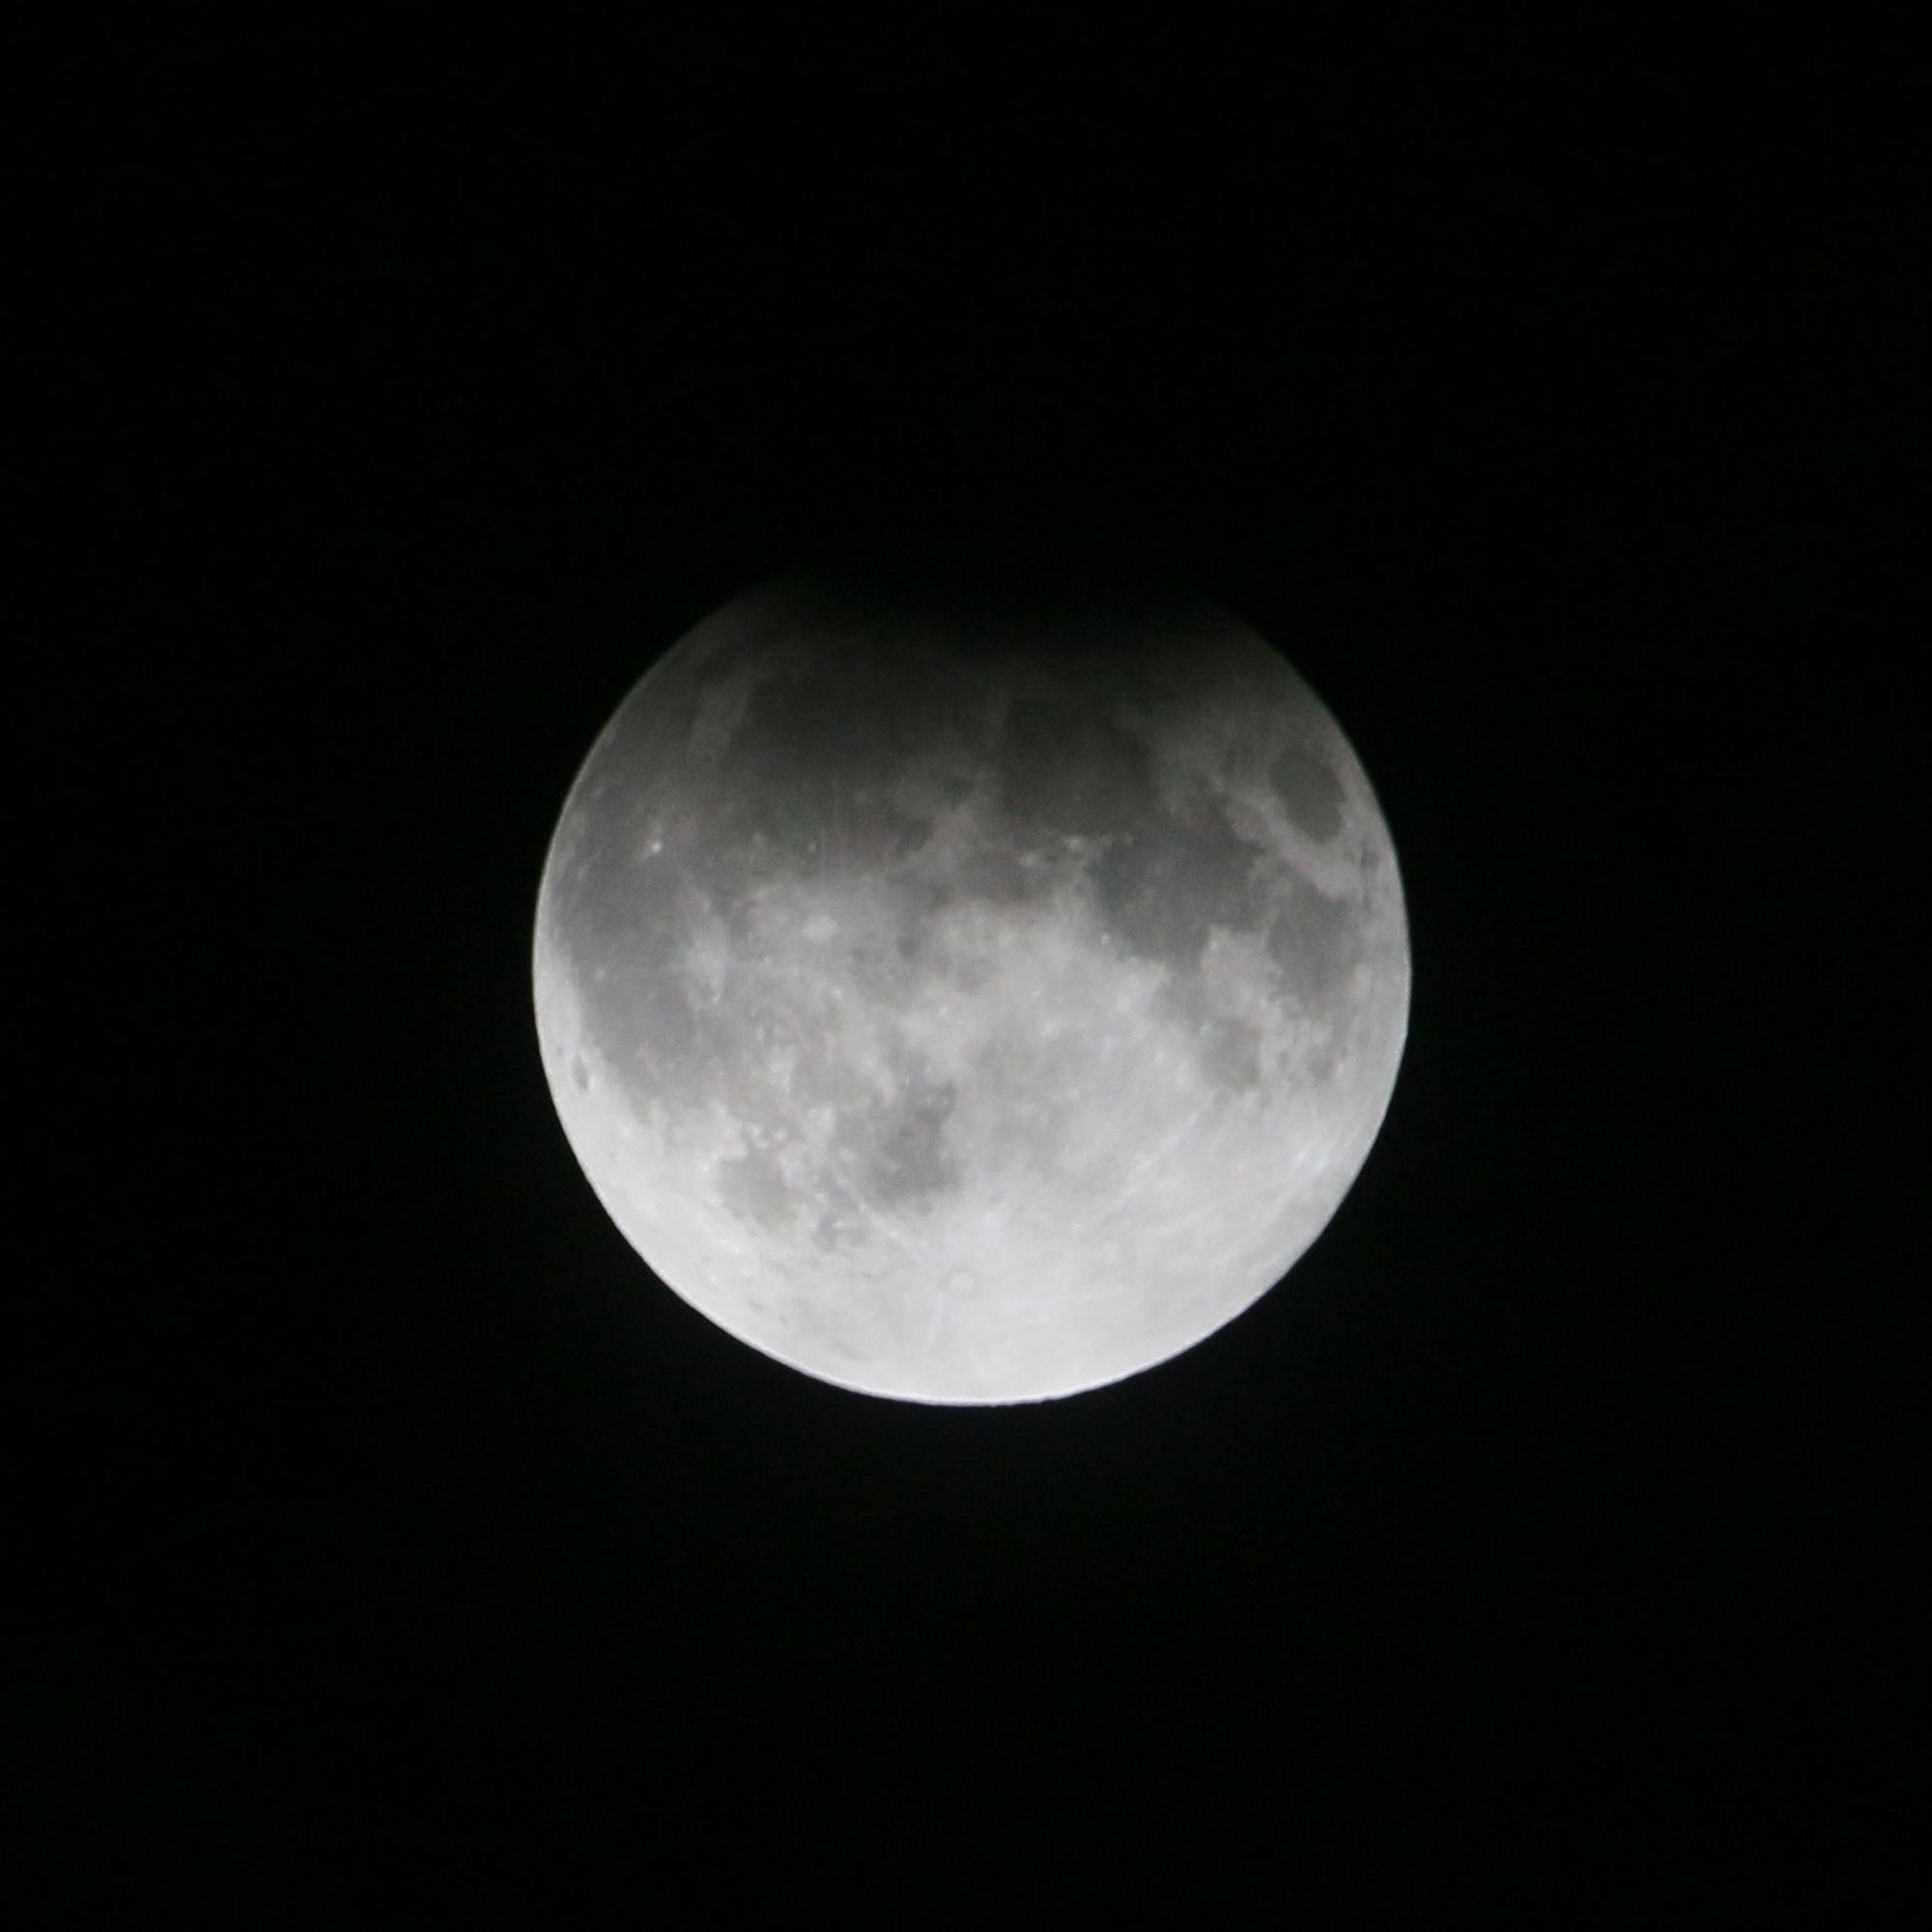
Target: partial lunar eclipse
{"x":967,"y":1000}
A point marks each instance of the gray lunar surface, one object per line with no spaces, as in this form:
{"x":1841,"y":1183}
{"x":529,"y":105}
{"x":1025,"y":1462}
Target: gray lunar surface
{"x":963,"y":1009}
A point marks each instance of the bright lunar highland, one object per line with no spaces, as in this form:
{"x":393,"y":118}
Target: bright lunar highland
{"x":970,"y":1005}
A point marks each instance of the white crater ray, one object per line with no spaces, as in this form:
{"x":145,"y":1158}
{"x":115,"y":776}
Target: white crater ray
{"x":970,"y":1006}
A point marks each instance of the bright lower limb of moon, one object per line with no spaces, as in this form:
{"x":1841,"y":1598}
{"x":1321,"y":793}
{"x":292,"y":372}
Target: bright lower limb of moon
{"x":965,"y":1017}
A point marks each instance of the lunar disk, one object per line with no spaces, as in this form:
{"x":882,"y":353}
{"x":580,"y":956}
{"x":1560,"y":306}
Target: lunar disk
{"x":970,"y":1006}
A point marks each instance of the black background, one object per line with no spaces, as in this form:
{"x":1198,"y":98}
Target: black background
{"x":1532,"y":1544}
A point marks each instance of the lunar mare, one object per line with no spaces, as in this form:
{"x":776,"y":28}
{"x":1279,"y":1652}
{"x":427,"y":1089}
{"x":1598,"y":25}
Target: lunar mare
{"x":966,"y":1011}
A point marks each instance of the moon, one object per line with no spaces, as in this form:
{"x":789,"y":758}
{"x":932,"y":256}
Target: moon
{"x":970,"y":999}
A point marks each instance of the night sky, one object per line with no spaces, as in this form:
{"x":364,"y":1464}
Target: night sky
{"x":1529,"y":1544}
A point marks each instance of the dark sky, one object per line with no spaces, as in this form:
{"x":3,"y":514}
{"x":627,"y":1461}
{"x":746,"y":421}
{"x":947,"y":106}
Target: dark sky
{"x":1528,"y":1543}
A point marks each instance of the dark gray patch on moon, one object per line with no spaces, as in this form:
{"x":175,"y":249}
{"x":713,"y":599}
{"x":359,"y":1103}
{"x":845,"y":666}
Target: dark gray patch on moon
{"x":1315,"y":942}
{"x":897,"y":1147}
{"x":1068,"y":769}
{"x":996,"y":874}
{"x":1162,"y":887}
{"x":754,"y":1185}
{"x":1231,"y":1053}
{"x":808,"y":769}
{"x":1310,"y":792}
